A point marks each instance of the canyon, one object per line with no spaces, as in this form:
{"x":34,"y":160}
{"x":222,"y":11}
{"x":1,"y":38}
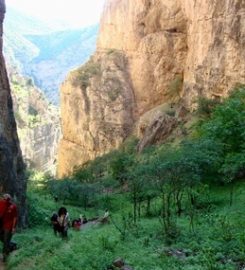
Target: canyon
{"x":151,"y":56}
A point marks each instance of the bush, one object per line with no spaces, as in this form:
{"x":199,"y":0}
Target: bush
{"x":39,"y":210}
{"x":175,"y":87}
{"x":83,"y":74}
{"x":74,"y":192}
{"x":206,"y":106}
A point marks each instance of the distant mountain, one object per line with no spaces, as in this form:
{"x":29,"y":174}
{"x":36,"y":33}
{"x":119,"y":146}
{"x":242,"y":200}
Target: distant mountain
{"x":59,"y":52}
{"x":43,"y":53}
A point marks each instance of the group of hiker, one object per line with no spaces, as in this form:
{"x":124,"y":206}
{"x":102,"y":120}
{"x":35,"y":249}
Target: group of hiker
{"x":61,"y":221}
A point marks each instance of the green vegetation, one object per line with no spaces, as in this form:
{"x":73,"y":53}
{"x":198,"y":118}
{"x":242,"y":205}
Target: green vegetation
{"x":113,"y":94}
{"x":206,"y":106}
{"x":175,"y":87}
{"x":172,"y":206}
{"x":83,"y":74}
{"x":29,"y":104}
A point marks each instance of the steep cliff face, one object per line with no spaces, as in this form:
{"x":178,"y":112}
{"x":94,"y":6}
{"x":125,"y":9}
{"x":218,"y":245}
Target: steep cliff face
{"x":96,"y":109}
{"x":202,"y":40}
{"x":12,"y":178}
{"x":38,"y":123}
{"x":216,"y":40}
{"x":175,"y":50}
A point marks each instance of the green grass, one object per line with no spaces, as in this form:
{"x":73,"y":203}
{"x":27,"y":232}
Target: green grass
{"x":217,"y":242}
{"x":209,"y":234}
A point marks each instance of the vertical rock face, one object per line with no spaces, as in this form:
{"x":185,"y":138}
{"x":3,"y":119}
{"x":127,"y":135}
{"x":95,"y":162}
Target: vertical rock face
{"x":153,"y":36}
{"x":203,"y":40}
{"x":12,"y":178}
{"x":38,"y":123}
{"x":39,"y":147}
{"x":174,"y":50}
{"x":216,"y":41}
{"x":97,"y":105}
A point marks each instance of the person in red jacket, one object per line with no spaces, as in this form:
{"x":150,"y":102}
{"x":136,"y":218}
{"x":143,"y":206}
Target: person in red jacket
{"x":8,"y":215}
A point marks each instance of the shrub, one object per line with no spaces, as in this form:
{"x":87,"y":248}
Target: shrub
{"x":175,"y":87}
{"x":206,"y":106}
{"x":83,"y":74}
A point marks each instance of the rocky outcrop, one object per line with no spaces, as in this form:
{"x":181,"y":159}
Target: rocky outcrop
{"x":40,"y":147}
{"x":12,"y":179}
{"x":158,"y":129}
{"x":175,"y":52}
{"x":216,"y":39}
{"x":202,"y":40}
{"x":96,"y":109}
{"x":119,"y":264}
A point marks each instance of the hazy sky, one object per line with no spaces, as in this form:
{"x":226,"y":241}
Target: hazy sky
{"x":73,"y":12}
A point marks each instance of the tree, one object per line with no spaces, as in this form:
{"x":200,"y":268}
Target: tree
{"x":226,"y":127}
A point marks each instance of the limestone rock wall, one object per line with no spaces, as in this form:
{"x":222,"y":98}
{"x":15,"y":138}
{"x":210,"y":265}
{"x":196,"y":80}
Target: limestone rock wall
{"x":153,"y":36}
{"x":12,"y":178}
{"x":96,"y":110}
{"x":175,"y":50}
{"x":203,"y":40}
{"x":216,"y":39}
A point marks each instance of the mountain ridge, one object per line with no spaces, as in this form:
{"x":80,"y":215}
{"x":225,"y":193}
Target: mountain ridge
{"x":46,"y":53}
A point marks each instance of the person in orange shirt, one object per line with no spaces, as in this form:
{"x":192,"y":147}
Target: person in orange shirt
{"x":8,"y":215}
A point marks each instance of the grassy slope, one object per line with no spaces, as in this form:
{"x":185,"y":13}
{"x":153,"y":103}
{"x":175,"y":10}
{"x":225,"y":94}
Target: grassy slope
{"x":217,"y":243}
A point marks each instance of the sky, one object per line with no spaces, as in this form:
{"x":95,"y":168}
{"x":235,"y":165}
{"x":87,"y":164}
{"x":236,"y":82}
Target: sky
{"x":75,"y":13}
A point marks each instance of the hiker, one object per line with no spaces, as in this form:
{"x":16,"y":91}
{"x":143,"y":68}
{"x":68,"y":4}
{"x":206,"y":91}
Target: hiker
{"x":84,"y":219}
{"x":105,"y":218}
{"x":55,"y":223}
{"x":64,"y":221}
{"x":8,"y":215}
{"x":76,"y":224}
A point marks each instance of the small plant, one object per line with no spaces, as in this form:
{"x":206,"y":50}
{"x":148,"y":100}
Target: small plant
{"x":34,"y":120}
{"x":106,"y":243}
{"x":175,"y":87}
{"x":113,"y":94}
{"x":226,"y":228}
{"x":121,"y":227}
{"x":83,"y":74}
{"x":111,"y":51}
{"x":206,"y":106}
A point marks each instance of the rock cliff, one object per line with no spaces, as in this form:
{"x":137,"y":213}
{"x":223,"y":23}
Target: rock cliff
{"x":12,"y":179}
{"x":173,"y":52}
{"x":38,"y":123}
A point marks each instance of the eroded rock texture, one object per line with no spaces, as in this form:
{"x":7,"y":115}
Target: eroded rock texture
{"x":38,"y":124}
{"x":12,"y":178}
{"x":173,"y":52}
{"x":96,"y":110}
